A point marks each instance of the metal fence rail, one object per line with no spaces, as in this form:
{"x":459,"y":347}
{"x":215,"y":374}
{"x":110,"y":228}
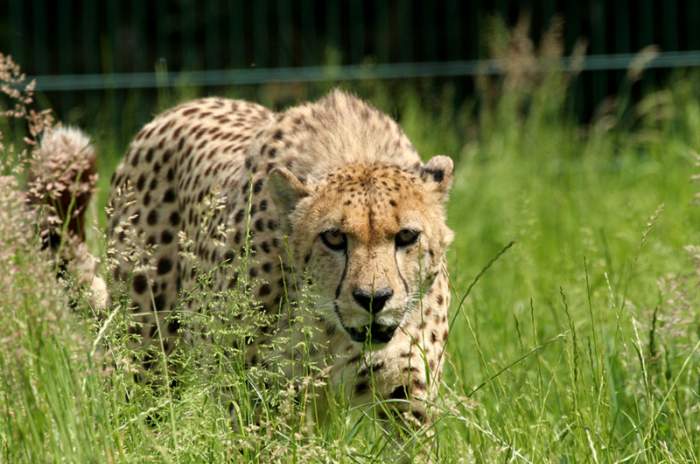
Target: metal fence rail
{"x":225,"y":77}
{"x":73,"y":45}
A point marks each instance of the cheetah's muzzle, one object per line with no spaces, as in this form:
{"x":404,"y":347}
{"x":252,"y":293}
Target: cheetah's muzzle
{"x":377,"y":333}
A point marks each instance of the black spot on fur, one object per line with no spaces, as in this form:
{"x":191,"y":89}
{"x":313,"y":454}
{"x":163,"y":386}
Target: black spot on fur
{"x":166,"y":237}
{"x":164,"y":265}
{"x":399,"y":393}
{"x":152,"y":217}
{"x":169,"y":196}
{"x":265,"y":290}
{"x":239,"y":216}
{"x":134,"y":329}
{"x":173,"y":326}
{"x":361,"y":388}
{"x":140,"y":283}
{"x":159,"y":302}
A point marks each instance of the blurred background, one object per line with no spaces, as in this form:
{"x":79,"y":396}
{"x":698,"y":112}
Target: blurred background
{"x":95,"y":57}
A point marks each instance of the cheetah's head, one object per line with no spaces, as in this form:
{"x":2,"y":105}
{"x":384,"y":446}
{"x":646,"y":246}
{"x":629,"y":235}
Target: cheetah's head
{"x":372,"y":239}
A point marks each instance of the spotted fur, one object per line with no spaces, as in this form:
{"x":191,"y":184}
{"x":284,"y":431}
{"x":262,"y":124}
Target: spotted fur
{"x":336,"y":171}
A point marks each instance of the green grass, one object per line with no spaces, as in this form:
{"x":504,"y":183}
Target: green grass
{"x":578,"y":344}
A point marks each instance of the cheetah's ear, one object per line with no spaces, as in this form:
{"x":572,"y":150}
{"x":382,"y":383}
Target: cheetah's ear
{"x":437,"y":175}
{"x":286,"y":189}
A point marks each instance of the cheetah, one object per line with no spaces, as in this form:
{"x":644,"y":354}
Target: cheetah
{"x":61,"y":180}
{"x":333,"y":190}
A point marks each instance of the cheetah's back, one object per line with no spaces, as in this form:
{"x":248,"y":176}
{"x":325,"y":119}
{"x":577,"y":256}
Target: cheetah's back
{"x":164,"y":187}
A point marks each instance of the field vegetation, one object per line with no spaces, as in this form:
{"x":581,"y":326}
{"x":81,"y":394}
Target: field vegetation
{"x":575,"y":323}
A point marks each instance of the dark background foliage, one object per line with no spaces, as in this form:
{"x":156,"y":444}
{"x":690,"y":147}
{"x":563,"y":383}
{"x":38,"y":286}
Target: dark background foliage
{"x":122,"y":36}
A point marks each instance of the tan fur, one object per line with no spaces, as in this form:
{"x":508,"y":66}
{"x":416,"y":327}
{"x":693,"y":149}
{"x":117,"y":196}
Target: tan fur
{"x":62,"y":177}
{"x":336,"y":164}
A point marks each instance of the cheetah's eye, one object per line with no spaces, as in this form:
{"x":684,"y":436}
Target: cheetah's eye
{"x":406,"y":237}
{"x":334,"y":239}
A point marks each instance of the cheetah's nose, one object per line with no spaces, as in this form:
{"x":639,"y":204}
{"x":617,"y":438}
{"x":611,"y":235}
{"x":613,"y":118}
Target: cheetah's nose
{"x":372,"y":302}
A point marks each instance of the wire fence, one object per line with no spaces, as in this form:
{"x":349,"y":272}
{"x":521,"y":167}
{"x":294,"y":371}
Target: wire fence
{"x":108,"y":48}
{"x":253,"y":76}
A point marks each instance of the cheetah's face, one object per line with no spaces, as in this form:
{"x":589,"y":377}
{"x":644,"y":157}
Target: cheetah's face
{"x":372,"y":239}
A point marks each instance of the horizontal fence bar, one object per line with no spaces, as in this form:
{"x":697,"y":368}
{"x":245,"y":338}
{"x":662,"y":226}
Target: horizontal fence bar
{"x":250,"y":76}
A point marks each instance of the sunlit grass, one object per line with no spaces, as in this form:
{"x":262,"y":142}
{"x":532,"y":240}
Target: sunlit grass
{"x":578,"y":344}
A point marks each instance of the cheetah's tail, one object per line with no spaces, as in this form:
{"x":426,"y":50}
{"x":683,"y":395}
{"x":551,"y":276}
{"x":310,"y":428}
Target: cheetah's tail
{"x":62,"y":178}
